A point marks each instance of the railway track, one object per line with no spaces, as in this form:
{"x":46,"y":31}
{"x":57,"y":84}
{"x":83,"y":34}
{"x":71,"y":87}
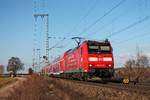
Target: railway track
{"x":142,"y":89}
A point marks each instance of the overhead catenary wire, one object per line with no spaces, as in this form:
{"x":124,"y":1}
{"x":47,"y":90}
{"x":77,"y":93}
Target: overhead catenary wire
{"x":55,"y":37}
{"x":101,"y":17}
{"x":124,"y":29}
{"x":83,"y":18}
{"x":107,"y":24}
{"x":92,"y":7}
{"x":86,"y":15}
{"x":55,"y":45}
{"x":110,"y":22}
{"x":129,"y":26}
{"x":132,"y":38}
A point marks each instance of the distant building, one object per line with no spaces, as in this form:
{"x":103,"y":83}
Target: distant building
{"x":1,"y":69}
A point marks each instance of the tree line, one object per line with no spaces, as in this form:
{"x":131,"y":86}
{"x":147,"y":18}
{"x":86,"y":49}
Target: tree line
{"x":136,"y":68}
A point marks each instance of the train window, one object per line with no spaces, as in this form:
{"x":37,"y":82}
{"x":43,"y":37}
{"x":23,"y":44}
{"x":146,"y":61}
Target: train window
{"x":105,"y":48}
{"x":96,"y":49}
{"x":93,"y":49}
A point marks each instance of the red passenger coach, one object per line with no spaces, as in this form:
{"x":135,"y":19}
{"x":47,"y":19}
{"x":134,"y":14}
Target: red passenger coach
{"x":89,"y":59}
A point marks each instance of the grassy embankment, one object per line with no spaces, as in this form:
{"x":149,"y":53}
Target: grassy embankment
{"x":5,"y":81}
{"x":44,"y":88}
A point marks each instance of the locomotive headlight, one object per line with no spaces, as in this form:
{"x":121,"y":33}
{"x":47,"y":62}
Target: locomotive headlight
{"x":85,"y":70}
{"x":107,"y":59}
{"x":93,"y":59}
{"x":90,"y":65}
{"x":109,"y":65}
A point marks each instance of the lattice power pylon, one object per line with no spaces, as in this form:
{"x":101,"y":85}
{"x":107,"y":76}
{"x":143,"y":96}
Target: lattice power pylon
{"x":44,"y":16}
{"x":41,"y":34}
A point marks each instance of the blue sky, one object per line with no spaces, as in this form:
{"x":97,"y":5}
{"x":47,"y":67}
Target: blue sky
{"x":66,"y":19}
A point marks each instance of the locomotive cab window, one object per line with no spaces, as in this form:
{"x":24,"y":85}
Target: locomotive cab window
{"x":93,"y":49}
{"x":96,"y":48}
{"x":105,"y":49}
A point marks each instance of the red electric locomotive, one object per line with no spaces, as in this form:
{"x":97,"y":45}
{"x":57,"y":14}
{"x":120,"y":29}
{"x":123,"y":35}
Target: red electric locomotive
{"x":89,"y":59}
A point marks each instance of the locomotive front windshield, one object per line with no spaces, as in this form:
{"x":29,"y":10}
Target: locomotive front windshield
{"x":99,"y":48}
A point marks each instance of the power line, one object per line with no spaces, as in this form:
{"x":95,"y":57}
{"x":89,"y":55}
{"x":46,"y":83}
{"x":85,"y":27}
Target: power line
{"x":54,"y":37}
{"x":129,"y":26}
{"x":100,"y":18}
{"x":132,"y":38}
{"x":121,"y":2}
{"x":58,"y":43}
{"x":110,"y":22}
{"x":87,"y":14}
{"x":106,"y":25}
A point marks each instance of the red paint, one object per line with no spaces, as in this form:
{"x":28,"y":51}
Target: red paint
{"x":79,"y":58}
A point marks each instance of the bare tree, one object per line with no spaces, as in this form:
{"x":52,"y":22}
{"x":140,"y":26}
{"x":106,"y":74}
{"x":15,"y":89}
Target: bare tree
{"x":14,"y":64}
{"x":141,"y":64}
{"x":135,"y":68}
{"x":142,"y":61}
{"x":129,"y":65}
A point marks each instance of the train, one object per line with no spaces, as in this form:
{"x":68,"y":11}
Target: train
{"x":89,"y":59}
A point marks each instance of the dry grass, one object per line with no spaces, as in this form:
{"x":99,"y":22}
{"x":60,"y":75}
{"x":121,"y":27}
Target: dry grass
{"x":6,"y":81}
{"x":39,"y":88}
{"x":33,"y":88}
{"x":65,"y":92}
{"x":88,"y":92}
{"x":42,"y":88}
